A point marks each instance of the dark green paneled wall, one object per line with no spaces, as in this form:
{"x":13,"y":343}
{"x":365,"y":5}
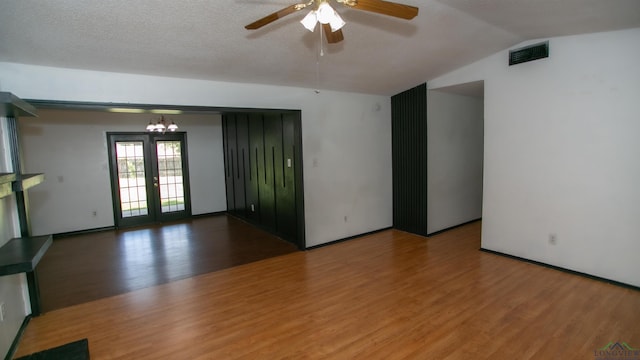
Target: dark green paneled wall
{"x":409,"y":154}
{"x":263,"y":165}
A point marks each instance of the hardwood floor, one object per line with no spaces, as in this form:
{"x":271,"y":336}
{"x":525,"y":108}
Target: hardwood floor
{"x":87,"y":267}
{"x":390,"y":295}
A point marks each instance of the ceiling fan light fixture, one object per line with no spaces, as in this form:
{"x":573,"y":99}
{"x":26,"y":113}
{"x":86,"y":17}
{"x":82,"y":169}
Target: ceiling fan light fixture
{"x":309,"y":21}
{"x":336,"y":23}
{"x":325,"y":13}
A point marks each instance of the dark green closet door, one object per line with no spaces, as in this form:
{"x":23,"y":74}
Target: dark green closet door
{"x":253,"y":173}
{"x":242,"y":152}
{"x":272,"y":132}
{"x":285,"y":180}
{"x":229,"y":129}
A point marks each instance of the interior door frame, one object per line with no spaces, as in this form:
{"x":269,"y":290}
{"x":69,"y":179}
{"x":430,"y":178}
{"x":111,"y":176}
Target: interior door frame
{"x":151,"y":171}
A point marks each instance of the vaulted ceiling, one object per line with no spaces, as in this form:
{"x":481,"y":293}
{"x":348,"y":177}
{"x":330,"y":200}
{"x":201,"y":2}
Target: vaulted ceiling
{"x":206,"y":39}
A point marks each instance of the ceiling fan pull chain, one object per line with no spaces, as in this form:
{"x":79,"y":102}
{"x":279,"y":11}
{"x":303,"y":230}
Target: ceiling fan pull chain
{"x":318,"y":55}
{"x":321,"y":47}
{"x":317,"y":76}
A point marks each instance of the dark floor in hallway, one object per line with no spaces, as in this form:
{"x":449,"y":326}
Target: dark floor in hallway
{"x":86,"y":267}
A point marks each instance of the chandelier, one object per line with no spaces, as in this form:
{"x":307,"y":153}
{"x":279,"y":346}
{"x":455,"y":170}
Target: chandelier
{"x":161,"y":126}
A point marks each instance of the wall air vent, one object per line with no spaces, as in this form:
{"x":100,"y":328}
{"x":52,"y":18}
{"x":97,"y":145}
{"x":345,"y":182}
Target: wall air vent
{"x":529,"y":53}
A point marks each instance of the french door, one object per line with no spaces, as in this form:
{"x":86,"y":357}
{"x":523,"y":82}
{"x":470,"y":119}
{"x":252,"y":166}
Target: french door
{"x":149,"y":177}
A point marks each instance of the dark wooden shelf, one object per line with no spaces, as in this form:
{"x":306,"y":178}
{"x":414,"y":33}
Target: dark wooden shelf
{"x":23,"y":254}
{"x":7,"y":177}
{"x":10,"y":182}
{"x":13,"y":106}
{"x":26,"y":181}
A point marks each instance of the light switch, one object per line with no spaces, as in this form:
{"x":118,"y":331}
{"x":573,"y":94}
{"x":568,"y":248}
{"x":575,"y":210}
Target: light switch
{"x":288,"y":162}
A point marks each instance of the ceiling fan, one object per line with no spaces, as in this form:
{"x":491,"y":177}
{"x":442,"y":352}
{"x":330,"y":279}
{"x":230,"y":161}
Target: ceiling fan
{"x":330,"y":20}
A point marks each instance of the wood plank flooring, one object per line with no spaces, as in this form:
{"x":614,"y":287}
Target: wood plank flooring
{"x":91,"y":266}
{"x":390,"y":295}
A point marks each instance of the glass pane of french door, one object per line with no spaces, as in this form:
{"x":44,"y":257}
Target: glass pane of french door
{"x":131,"y":178}
{"x":170,"y":178}
{"x":149,"y":177}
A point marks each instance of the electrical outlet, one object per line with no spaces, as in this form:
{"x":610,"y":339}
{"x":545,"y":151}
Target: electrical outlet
{"x":2,"y":312}
{"x":553,"y":239}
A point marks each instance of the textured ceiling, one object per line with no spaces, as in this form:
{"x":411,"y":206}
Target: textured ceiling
{"x":206,"y":39}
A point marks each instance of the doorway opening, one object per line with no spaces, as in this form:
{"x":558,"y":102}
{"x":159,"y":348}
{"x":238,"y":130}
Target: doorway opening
{"x":282,"y":135}
{"x":455,"y":160}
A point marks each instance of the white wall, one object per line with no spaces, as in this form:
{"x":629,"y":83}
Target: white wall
{"x":13,"y":288}
{"x":454,"y":159}
{"x":346,"y":137}
{"x":561,"y":153}
{"x":70,"y":148}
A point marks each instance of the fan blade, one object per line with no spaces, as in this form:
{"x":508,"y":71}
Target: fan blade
{"x":332,"y":37}
{"x":385,"y":8}
{"x":275,"y":16}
